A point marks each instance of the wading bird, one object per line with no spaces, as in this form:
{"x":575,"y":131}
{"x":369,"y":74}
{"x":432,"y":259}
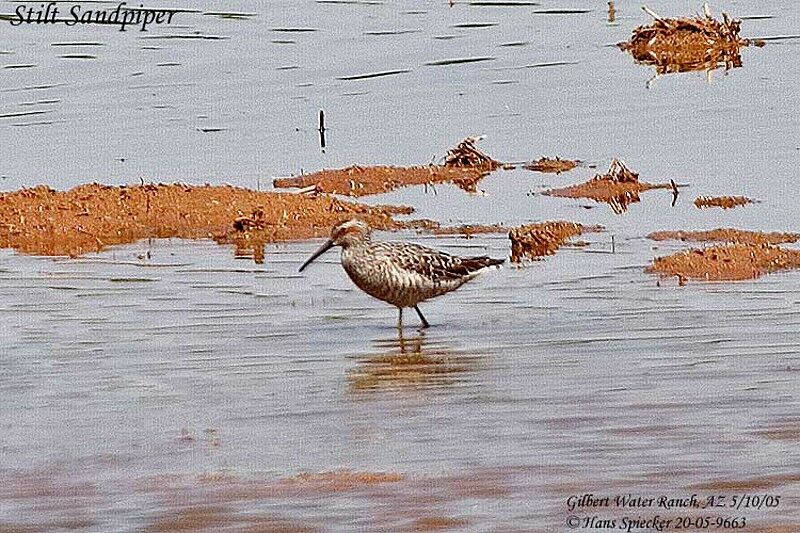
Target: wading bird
{"x":399,"y":273}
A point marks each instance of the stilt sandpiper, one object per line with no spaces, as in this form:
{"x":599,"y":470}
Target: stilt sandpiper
{"x":399,"y":273}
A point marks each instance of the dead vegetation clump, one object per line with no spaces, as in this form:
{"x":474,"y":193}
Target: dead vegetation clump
{"x":535,"y":241}
{"x":465,"y":165}
{"x":725,"y":202}
{"x":552,"y":165}
{"x":619,"y":188}
{"x":466,"y":154}
{"x":688,"y":43}
{"x":89,"y":218}
{"x":729,"y":262}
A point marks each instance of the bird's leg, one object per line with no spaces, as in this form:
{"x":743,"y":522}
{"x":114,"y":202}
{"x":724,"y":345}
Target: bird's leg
{"x":400,"y":319}
{"x":424,"y":322}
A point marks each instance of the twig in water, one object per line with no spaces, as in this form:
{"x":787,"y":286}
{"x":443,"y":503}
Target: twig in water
{"x":321,"y":129}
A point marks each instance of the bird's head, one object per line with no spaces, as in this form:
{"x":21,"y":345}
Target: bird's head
{"x":344,"y":234}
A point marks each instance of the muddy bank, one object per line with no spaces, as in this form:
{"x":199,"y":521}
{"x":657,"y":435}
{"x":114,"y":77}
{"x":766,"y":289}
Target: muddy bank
{"x":468,"y":230}
{"x":725,"y":202}
{"x":534,"y":241}
{"x":744,"y":255}
{"x":464,"y":166}
{"x":363,"y":181}
{"x":552,"y":165}
{"x":619,"y":187}
{"x":729,"y":262}
{"x":89,"y":218}
{"x":730,"y":235}
{"x":687,"y":43}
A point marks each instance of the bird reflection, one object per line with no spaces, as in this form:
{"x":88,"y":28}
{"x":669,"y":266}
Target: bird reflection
{"x":411,"y":362}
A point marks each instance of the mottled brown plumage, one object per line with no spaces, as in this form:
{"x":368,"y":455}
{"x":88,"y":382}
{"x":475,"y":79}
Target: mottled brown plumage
{"x":399,"y":273}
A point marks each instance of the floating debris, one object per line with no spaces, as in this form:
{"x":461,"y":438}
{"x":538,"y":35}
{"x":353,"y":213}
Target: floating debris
{"x":687,"y":44}
{"x":725,"y":202}
{"x":729,"y":262}
{"x":466,"y":154}
{"x":535,"y":241}
{"x":619,"y":188}
{"x":89,"y":218}
{"x":552,"y":165}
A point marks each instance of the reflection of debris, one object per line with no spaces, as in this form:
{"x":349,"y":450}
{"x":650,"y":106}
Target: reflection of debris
{"x":726,"y":262}
{"x":619,"y":187}
{"x":686,"y":44}
{"x":725,"y":202}
{"x":552,"y":165}
{"x":537,"y":240}
{"x":726,"y":235}
{"x":89,"y":218}
{"x":465,"y":165}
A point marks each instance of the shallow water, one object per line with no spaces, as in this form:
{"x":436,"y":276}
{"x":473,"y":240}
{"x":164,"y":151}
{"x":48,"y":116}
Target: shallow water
{"x":191,"y":389}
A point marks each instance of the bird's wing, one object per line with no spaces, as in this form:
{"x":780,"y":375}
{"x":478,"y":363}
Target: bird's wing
{"x":436,"y":265}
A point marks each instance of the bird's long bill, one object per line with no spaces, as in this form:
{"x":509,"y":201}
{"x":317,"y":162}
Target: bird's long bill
{"x":322,"y":249}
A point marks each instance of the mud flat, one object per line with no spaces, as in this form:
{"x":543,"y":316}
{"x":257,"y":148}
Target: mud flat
{"x":726,"y":235}
{"x":730,"y":262}
{"x":88,"y":218}
{"x":687,"y":43}
{"x":468,"y":230}
{"x":534,"y":241}
{"x":745,"y":255}
{"x":619,"y":187}
{"x":363,"y":181}
{"x":725,"y":202}
{"x":464,"y":166}
{"x":552,"y":165}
